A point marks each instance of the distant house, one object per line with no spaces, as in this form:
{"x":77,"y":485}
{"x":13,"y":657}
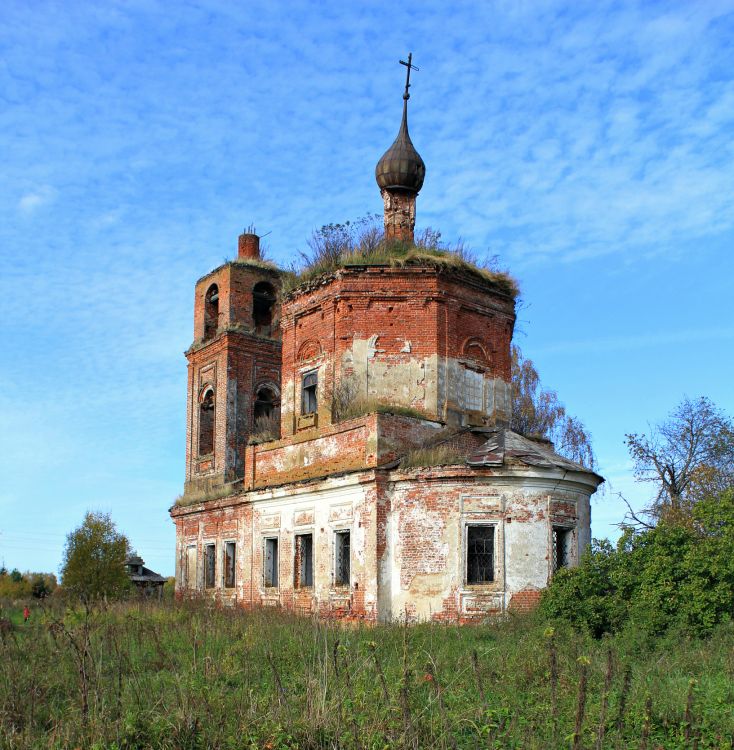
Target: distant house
{"x":144,"y":579}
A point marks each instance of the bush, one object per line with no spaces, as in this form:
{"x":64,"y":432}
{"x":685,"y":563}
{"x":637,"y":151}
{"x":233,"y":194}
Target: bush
{"x":677,"y":575}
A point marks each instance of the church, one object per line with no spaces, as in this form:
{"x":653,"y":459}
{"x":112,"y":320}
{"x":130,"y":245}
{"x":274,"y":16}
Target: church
{"x":348,"y":444}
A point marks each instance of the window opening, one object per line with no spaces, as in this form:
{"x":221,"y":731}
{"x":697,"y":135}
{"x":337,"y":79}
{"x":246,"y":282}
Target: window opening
{"x":229,"y":564}
{"x":191,"y":567}
{"x":473,"y":390}
{"x":303,"y":563}
{"x":341,"y":558}
{"x":479,"y":554}
{"x":206,"y":424}
{"x":561,"y":544}
{"x":209,"y":553}
{"x":263,"y":300}
{"x":211,"y":311}
{"x":264,"y":403}
{"x":270,"y":570}
{"x":309,"y":402}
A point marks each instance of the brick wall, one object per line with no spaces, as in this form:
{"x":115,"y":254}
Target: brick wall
{"x":235,"y":360}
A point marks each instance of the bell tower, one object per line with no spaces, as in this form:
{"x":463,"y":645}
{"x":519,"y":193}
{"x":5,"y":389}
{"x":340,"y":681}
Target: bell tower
{"x":234,"y":367}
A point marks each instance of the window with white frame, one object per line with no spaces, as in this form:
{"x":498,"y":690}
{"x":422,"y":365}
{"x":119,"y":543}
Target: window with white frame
{"x":270,"y":566}
{"x":479,"y":553}
{"x":342,"y":547}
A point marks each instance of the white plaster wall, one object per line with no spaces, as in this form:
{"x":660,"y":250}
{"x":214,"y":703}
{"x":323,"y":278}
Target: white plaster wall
{"x":519,"y":508}
{"x":527,"y":540}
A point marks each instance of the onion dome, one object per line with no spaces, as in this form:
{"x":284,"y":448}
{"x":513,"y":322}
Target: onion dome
{"x":401,"y":166}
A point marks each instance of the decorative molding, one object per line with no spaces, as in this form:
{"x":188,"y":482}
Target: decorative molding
{"x":309,"y":349}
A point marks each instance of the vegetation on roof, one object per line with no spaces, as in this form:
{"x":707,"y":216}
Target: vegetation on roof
{"x":268,"y":265}
{"x":194,"y":497}
{"x":347,"y":403}
{"x":363,"y":243}
{"x":438,"y":455}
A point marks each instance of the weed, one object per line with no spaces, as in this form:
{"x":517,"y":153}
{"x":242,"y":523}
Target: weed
{"x":192,"y":675}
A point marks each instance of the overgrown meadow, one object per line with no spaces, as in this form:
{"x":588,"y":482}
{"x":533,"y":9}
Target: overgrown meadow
{"x":139,"y":675}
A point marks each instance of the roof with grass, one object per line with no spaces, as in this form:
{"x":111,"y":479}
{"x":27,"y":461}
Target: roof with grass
{"x":344,"y":246}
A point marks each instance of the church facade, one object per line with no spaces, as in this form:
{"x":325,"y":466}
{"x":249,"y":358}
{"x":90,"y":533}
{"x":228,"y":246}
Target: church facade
{"x":348,"y":450}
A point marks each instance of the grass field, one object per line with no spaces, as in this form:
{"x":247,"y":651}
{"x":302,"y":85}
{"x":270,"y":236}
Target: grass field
{"x":190,"y":676}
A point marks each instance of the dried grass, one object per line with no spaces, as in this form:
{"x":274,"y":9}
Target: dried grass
{"x":363,"y":243}
{"x":266,"y":429}
{"x":439,"y":455}
{"x":345,"y":404}
{"x":194,"y":497}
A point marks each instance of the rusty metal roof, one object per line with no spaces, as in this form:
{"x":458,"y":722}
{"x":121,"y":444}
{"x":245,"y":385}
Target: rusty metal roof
{"x":504,"y":446}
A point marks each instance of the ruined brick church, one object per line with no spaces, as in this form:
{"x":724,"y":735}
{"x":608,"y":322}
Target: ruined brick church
{"x":348,"y":449}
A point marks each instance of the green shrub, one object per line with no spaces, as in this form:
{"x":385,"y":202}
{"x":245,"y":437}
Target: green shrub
{"x":676,"y":575}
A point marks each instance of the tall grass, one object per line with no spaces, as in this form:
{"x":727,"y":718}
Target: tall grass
{"x":363,"y":243}
{"x":141,"y":675}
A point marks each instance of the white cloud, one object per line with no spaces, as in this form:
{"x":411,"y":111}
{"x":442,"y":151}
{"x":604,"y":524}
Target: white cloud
{"x":31,"y":201}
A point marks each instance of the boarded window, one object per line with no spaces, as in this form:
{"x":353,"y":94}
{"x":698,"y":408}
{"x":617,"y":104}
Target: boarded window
{"x":229,"y":565}
{"x":561,"y":547}
{"x":309,"y":403}
{"x":190,"y":567}
{"x":263,"y":301}
{"x":270,"y":568}
{"x":211,"y":311}
{"x":479,"y":554}
{"x":473,"y":395}
{"x":303,"y":563}
{"x":209,"y":558}
{"x":342,"y":558}
{"x":206,"y":424}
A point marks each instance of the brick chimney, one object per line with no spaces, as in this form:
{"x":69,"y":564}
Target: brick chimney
{"x":248,"y":246}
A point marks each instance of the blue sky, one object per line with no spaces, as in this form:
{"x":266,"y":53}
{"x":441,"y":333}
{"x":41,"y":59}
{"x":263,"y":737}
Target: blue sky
{"x":590,"y":145}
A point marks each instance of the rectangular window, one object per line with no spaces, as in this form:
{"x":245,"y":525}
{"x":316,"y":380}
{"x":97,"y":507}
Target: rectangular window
{"x":270,"y":570}
{"x":229,"y":565}
{"x":191,"y":567}
{"x":479,"y":554}
{"x":473,"y":390}
{"x":209,"y":558}
{"x":309,"y":384}
{"x":303,"y":563}
{"x":341,"y":558}
{"x":561,"y":547}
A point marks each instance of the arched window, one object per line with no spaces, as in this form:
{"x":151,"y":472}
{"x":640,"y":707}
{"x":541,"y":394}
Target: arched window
{"x":263,"y":300}
{"x":206,"y":423}
{"x":266,"y":413}
{"x":211,"y":311}
{"x":264,"y":403}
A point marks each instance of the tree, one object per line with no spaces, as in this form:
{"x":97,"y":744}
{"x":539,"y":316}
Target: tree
{"x":42,"y":585}
{"x":670,"y":576}
{"x":94,"y":559}
{"x":537,"y":412}
{"x":687,"y":457}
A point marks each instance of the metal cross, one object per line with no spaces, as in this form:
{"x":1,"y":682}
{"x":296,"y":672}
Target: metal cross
{"x":409,"y":65}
